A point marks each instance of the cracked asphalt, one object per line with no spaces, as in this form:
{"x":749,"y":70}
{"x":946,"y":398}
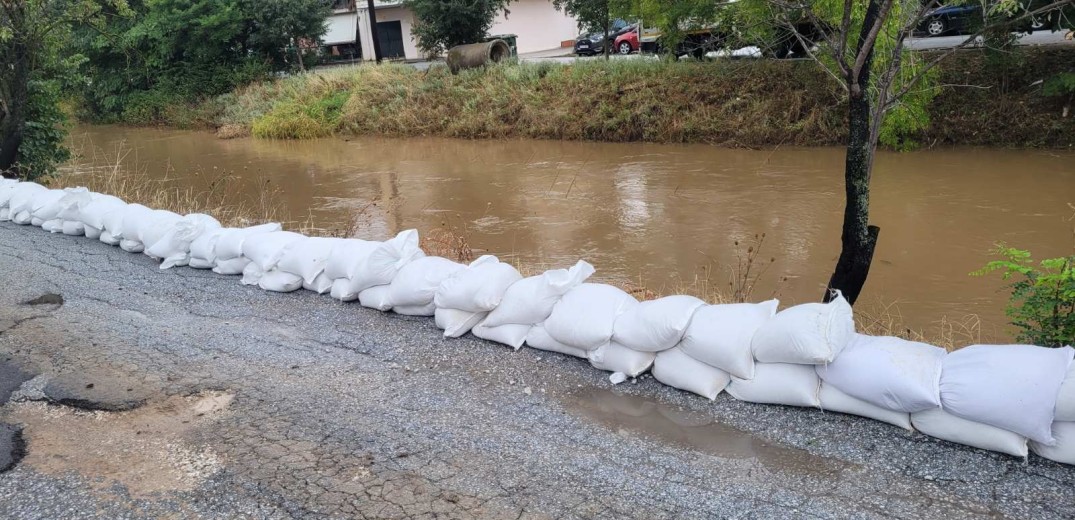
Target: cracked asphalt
{"x":181,"y":394}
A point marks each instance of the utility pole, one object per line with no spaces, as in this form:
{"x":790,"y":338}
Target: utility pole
{"x":373,"y":31}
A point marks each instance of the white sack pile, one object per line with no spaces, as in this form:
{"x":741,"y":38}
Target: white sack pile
{"x":1007,"y":398}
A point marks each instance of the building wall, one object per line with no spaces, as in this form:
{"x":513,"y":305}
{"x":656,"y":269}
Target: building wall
{"x":537,"y":23}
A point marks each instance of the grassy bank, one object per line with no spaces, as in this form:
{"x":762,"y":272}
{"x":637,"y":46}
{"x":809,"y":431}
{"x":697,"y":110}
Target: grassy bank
{"x":732,"y":103}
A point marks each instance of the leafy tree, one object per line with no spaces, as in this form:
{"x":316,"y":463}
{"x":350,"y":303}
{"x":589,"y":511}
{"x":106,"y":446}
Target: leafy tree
{"x":861,"y":44}
{"x":443,"y":24}
{"x":37,"y":70}
{"x":1042,"y":303}
{"x":169,"y":52}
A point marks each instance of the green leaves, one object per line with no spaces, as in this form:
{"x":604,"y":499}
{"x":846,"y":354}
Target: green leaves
{"x":1042,"y":304}
{"x":443,"y":24}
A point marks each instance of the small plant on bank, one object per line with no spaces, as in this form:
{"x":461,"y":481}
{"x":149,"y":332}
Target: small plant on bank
{"x":1042,"y":304}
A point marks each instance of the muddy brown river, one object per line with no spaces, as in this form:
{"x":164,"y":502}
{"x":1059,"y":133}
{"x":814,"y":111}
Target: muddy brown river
{"x":664,"y":216}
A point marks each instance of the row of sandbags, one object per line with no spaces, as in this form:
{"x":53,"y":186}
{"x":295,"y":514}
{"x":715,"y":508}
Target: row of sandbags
{"x":1001,"y":398}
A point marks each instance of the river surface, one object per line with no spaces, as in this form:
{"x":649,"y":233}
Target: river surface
{"x":663,"y":216}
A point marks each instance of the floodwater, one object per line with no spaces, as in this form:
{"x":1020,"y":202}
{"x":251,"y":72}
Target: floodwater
{"x":662,"y":215}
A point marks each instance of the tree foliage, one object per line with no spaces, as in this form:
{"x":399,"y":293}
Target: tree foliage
{"x":163,"y":52}
{"x":1042,"y":305}
{"x":38,"y":69}
{"x":443,"y":24}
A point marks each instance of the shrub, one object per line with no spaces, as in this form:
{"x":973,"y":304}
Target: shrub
{"x":1042,"y":304}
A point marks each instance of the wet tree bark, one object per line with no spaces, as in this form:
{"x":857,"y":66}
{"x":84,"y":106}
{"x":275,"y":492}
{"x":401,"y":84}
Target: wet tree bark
{"x":859,"y":238}
{"x":14,"y":95}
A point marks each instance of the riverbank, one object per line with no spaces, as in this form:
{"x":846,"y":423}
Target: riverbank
{"x":736,"y":103}
{"x":321,"y":409}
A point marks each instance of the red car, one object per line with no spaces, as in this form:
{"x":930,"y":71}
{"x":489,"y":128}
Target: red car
{"x":626,"y":43}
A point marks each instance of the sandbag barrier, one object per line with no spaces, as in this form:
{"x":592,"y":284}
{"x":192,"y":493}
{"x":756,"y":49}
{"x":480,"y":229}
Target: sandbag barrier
{"x":1007,"y":398}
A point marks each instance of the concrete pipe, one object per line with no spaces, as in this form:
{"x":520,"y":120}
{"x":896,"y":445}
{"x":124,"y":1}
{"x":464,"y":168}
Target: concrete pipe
{"x":473,"y":55}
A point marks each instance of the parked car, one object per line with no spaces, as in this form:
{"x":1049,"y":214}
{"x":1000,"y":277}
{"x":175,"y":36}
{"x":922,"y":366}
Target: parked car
{"x":592,"y":44}
{"x":627,"y":42}
{"x":968,"y":18}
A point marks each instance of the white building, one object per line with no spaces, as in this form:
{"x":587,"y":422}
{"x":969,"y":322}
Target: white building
{"x":538,"y":25}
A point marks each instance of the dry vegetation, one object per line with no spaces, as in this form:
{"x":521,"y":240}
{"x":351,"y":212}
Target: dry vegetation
{"x":751,"y":103}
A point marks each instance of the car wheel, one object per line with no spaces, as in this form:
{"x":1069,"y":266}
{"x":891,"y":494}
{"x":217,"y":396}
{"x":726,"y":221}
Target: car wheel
{"x":1037,"y":22}
{"x":625,"y":48}
{"x":936,"y":27}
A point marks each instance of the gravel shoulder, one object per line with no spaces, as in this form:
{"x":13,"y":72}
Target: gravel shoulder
{"x":181,"y":393}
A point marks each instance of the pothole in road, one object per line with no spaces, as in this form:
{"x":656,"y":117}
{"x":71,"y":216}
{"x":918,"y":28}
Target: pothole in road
{"x":12,"y":446}
{"x":641,"y":416}
{"x":46,"y":299}
{"x":144,"y":449}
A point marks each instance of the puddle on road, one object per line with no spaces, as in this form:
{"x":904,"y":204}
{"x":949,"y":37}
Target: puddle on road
{"x":648,"y":418}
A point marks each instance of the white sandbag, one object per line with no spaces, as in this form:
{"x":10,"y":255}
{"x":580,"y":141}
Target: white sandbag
{"x":52,"y":226}
{"x":889,"y":372}
{"x":73,"y":202}
{"x":655,"y":325}
{"x":416,"y":283}
{"x":1064,"y":449}
{"x":95,"y":212}
{"x":479,"y":287}
{"x":720,"y":335}
{"x":675,"y":368}
{"x":125,"y":225}
{"x":203,"y":249}
{"x":614,"y":357}
{"x":279,"y":281}
{"x":808,"y":334}
{"x":160,"y":223}
{"x":1065,"y":399}
{"x":512,"y":335}
{"x":943,"y":425}
{"x":36,"y":222}
{"x":174,"y":247}
{"x":376,"y":297}
{"x":252,"y":274}
{"x":833,"y":400}
{"x":230,"y":267}
{"x":530,"y":301}
{"x":22,"y":218}
{"x":92,"y":232}
{"x":73,"y":228}
{"x":539,"y":338}
{"x":347,"y":255}
{"x":230,"y":244}
{"x":1012,"y":387}
{"x":586,"y":315}
{"x":364,"y":267}
{"x":107,"y":238}
{"x":428,"y":309}
{"x":21,"y":198}
{"x":7,"y":188}
{"x":779,"y":383}
{"x":266,"y":249}
{"x":321,"y":284}
{"x":45,"y":205}
{"x":455,"y":322}
{"x":307,"y":257}
{"x":5,"y":215}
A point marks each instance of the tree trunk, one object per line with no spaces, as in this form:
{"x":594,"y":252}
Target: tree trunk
{"x":859,"y":238}
{"x":15,"y":95}
{"x":373,"y":30}
{"x":298,"y":52}
{"x":607,"y":43}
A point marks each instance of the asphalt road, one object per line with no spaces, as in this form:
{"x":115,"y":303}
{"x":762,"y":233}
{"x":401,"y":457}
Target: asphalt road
{"x":231,"y":402}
